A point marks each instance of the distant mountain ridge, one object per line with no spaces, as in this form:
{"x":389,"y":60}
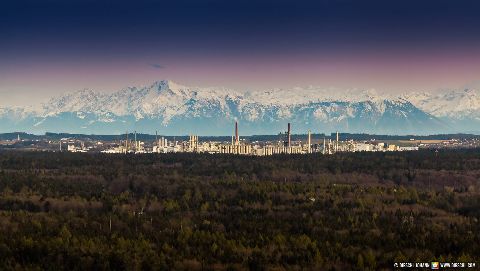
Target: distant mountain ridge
{"x":175,"y":109}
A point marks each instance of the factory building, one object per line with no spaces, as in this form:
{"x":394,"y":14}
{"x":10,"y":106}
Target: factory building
{"x":242,"y":148}
{"x":193,"y":143}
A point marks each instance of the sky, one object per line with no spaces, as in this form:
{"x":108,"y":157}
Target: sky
{"x":48,"y":47}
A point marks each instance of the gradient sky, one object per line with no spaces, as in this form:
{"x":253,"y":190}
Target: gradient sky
{"x":53,"y":46}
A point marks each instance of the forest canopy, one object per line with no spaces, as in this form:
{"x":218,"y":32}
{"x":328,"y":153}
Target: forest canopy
{"x":363,"y":211}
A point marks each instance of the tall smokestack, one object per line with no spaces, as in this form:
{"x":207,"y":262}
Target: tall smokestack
{"x":336,"y":143}
{"x":236,"y":133}
{"x":289,"y":135}
{"x":309,"y":150}
{"x":135,"y":141}
{"x":324,"y":145}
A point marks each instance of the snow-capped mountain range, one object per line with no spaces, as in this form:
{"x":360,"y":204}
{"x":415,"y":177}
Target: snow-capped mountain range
{"x":174,"y":109}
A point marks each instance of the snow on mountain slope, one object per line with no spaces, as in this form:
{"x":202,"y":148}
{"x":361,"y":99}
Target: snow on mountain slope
{"x":300,"y":95}
{"x":164,"y":98}
{"x":82,"y":101}
{"x":178,"y":109}
{"x":454,"y":104}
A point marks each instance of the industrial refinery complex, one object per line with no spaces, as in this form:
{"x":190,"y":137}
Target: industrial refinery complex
{"x":285,"y":145}
{"x":260,"y":145}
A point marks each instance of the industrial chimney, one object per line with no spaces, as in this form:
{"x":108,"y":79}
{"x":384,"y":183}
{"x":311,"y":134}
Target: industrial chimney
{"x":136,"y":141}
{"x":336,"y":143}
{"x":309,"y":142}
{"x":289,"y":135}
{"x":126,"y":142}
{"x":236,"y":134}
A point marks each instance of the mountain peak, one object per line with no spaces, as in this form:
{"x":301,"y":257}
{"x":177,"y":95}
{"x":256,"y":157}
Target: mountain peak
{"x":163,"y":85}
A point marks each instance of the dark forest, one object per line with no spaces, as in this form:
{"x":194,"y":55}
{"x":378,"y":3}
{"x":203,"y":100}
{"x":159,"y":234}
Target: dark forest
{"x":348,"y":211}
